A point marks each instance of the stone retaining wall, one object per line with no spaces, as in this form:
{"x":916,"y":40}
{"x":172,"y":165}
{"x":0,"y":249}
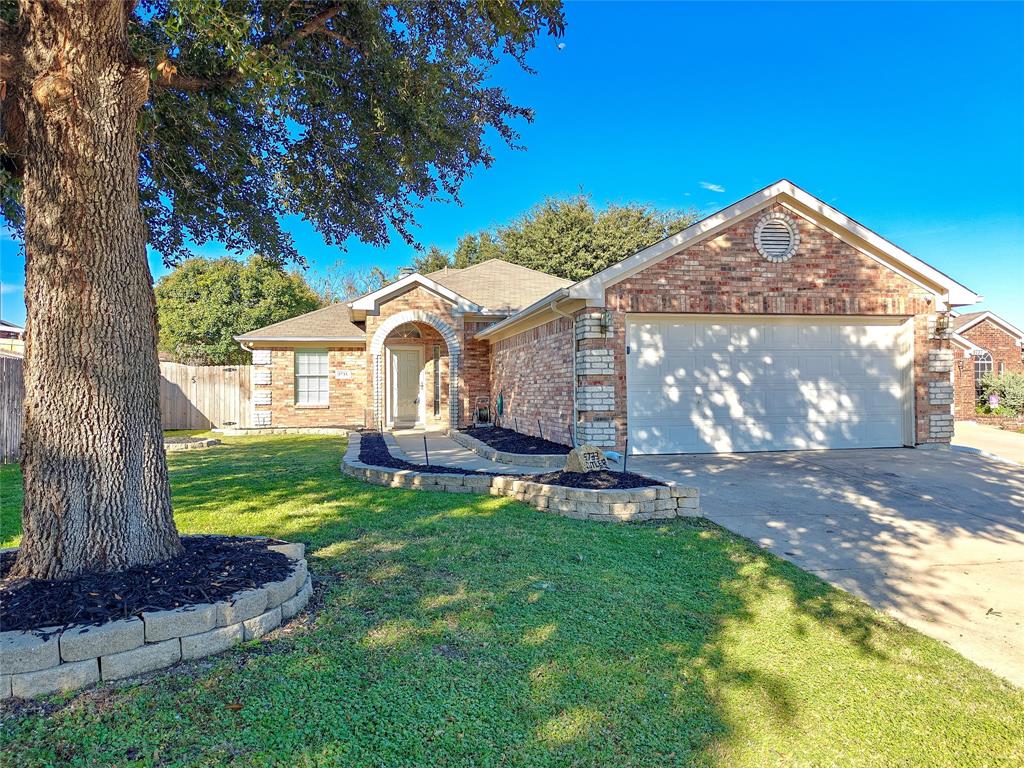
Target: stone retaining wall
{"x":544,"y":461}
{"x":191,"y":445}
{"x":655,"y":502}
{"x":283,"y":431}
{"x":36,"y":663}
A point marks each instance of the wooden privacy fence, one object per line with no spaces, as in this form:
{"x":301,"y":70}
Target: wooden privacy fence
{"x":12,"y":395}
{"x":205,"y":396}
{"x":191,"y":397}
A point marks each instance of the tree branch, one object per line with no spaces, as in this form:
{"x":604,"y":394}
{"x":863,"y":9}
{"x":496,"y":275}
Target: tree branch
{"x":317,"y":23}
{"x":168,"y":76}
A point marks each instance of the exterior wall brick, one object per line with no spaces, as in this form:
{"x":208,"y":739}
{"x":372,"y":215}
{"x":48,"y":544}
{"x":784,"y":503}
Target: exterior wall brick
{"x":346,"y":397}
{"x":998,"y":343}
{"x":533,"y":370}
{"x":725,"y":274}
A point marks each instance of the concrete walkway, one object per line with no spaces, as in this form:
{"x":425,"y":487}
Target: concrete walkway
{"x":933,"y":537}
{"x":1004,"y":443}
{"x":444,"y":450}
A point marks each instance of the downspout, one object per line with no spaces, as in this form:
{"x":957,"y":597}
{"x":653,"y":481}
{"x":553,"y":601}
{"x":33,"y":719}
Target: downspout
{"x":575,"y":378}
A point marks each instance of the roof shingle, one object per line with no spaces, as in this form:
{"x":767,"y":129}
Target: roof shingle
{"x":332,"y":323}
{"x":499,"y":285}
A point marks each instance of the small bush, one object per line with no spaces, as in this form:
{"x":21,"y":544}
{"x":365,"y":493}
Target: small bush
{"x":1010,"y":389}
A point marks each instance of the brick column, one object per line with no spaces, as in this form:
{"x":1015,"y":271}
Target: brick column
{"x":595,"y":379}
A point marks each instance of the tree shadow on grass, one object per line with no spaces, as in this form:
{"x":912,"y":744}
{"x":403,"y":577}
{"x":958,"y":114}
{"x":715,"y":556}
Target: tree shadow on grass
{"x":459,"y":630}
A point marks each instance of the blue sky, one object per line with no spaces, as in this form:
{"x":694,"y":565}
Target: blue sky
{"x":907,"y":117}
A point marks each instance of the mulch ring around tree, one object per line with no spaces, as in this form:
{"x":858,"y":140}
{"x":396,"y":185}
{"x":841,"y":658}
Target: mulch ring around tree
{"x":374,"y":451}
{"x":210,"y":569}
{"x":510,"y":441}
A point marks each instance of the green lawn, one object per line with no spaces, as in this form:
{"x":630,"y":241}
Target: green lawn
{"x":475,"y":631}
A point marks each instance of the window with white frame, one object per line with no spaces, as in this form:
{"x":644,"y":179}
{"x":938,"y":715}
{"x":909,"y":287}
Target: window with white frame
{"x":311,"y":377}
{"x":982,"y":365}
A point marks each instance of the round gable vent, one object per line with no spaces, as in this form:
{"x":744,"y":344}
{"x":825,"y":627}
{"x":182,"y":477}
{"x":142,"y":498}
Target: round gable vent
{"x":776,"y":237}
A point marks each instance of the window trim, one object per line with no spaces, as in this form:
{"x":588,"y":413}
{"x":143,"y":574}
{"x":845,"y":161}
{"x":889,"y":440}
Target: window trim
{"x":981,"y":360}
{"x":325,"y":376}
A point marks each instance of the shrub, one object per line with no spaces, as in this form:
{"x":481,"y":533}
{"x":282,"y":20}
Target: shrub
{"x":1010,"y":389}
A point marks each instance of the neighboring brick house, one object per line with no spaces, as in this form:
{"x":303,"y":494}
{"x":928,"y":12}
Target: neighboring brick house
{"x":983,"y":342}
{"x":777,"y":323}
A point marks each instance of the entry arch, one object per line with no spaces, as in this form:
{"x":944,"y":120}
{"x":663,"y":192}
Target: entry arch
{"x":451,"y":339}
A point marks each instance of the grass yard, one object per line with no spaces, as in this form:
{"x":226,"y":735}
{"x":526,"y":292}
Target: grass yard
{"x":475,"y":631}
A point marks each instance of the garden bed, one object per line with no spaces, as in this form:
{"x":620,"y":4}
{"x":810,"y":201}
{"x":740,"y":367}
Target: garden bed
{"x":599,"y":496}
{"x":510,"y":441}
{"x":64,"y":635}
{"x":374,"y":451}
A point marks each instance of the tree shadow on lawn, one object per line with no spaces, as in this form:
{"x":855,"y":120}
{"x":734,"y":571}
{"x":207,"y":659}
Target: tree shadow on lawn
{"x":460,"y":630}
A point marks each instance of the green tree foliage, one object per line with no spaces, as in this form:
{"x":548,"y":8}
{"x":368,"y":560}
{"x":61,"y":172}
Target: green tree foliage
{"x":338,"y":283}
{"x":1009,"y":388}
{"x":347,"y":113}
{"x":567,"y":237}
{"x":204,"y":303}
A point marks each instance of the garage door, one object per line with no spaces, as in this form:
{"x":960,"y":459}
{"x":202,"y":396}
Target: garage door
{"x":707,"y":385}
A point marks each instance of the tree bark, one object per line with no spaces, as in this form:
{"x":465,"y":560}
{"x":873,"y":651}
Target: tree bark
{"x":97,"y":496}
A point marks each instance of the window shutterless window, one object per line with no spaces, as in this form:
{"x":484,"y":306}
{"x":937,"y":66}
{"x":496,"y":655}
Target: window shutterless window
{"x":311,"y":378}
{"x":982,"y":365}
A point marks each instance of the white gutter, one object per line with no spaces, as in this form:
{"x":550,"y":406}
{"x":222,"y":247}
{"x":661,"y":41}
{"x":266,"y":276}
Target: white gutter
{"x":260,"y":339}
{"x":537,"y":306}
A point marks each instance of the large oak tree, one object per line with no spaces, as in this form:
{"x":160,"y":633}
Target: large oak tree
{"x":178,"y":120}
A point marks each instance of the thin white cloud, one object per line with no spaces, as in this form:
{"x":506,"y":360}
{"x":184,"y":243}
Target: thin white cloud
{"x":712,"y":187}
{"x":8,"y":289}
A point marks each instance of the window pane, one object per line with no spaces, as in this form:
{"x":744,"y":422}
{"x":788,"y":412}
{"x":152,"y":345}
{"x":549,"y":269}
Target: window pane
{"x":311,"y":379}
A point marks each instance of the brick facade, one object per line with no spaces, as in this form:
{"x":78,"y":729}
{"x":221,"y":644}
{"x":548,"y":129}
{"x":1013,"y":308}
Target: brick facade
{"x":346,"y":397}
{"x":724,"y":274}
{"x":997,"y":342}
{"x":533,"y":371}
{"x":355,"y":401}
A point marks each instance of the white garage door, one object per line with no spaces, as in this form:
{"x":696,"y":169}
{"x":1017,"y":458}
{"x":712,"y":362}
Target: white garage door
{"x":708,"y":385}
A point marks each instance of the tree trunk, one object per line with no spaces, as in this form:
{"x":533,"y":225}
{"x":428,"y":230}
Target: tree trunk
{"x":96,"y":490}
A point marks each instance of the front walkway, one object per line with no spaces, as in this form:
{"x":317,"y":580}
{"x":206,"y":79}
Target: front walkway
{"x":933,"y":537}
{"x":443,"y":450}
{"x":1004,"y":443}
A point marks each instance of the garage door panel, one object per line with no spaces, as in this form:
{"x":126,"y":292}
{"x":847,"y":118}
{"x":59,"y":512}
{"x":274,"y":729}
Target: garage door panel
{"x":698,"y":386}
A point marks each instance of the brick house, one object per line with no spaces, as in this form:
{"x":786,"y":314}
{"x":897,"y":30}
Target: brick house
{"x":777,"y":323}
{"x":983,"y":342}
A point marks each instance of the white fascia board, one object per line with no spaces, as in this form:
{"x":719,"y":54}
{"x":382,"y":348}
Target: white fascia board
{"x":522,"y":314}
{"x":1012,"y":330}
{"x":952,"y":292}
{"x":371,"y":301}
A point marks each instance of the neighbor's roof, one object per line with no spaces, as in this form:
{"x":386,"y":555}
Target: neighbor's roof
{"x":970,"y":319}
{"x":332,"y":323}
{"x":961,"y":320}
{"x":497,"y":285}
{"x":8,"y":325}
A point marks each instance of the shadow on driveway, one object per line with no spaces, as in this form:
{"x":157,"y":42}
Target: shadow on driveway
{"x":933,"y":537}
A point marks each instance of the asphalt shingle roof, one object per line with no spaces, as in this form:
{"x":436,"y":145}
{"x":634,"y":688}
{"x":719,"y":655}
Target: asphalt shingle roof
{"x":333,"y":322}
{"x":499,"y":285}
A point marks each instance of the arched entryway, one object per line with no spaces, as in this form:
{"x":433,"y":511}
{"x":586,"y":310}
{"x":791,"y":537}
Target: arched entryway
{"x":413,"y":354}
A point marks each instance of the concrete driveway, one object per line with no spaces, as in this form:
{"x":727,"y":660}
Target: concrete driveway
{"x":933,"y":537}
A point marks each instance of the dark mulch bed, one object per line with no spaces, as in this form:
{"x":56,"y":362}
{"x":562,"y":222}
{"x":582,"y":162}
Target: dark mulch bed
{"x":373,"y":450}
{"x":177,"y":440}
{"x":210,"y":569}
{"x":603,"y":480}
{"x":510,"y":441}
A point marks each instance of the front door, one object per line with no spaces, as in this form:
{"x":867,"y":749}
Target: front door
{"x":405,"y":386}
